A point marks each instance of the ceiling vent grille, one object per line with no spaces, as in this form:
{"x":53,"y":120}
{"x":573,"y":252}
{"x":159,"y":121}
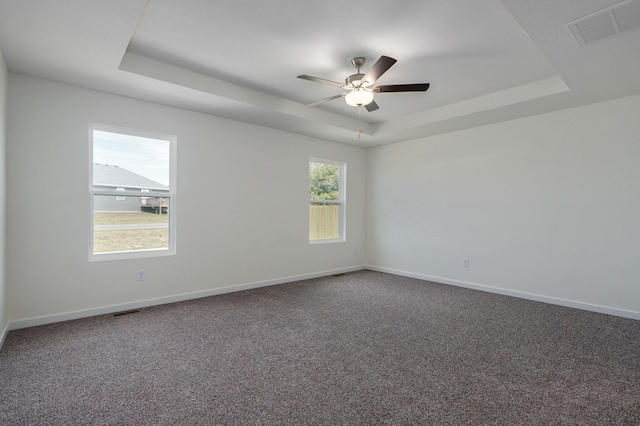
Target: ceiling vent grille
{"x":607,"y":22}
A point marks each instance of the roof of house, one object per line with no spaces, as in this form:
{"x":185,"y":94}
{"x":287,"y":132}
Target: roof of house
{"x":109,"y":175}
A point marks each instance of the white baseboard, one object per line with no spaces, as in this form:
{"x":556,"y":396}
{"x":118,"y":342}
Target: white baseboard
{"x":3,"y":335}
{"x":49,"y":319}
{"x":513,"y":293}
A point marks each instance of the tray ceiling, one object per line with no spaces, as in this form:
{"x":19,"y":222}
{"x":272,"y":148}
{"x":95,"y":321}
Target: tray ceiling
{"x":486,"y":61}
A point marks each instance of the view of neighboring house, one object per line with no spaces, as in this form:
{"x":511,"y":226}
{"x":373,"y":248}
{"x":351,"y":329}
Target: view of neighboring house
{"x":106,"y":176}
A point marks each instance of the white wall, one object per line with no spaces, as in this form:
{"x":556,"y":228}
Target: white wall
{"x":3,"y":144}
{"x":545,"y":207}
{"x":242,"y":205}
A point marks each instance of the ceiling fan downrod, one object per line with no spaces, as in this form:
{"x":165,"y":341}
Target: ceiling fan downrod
{"x":355,"y":80}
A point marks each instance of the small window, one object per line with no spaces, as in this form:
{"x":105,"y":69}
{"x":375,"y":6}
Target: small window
{"x":119,"y":197}
{"x":326,"y":201}
{"x":132,"y":193}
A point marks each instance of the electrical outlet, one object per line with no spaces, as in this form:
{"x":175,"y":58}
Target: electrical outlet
{"x":141,"y":276}
{"x":465,"y":262}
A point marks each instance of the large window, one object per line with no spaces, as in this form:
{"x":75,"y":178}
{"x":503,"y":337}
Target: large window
{"x":326,"y":200}
{"x":132,"y":193}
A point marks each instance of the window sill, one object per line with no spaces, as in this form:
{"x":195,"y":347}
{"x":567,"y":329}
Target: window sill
{"x":123,"y":255}
{"x":335,"y":240}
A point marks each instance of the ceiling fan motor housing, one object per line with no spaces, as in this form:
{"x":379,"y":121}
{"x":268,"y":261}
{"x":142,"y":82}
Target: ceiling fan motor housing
{"x":355,"y":80}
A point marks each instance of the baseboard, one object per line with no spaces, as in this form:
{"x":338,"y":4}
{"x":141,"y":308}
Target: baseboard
{"x":513,"y":293}
{"x":49,"y":319}
{"x":3,"y":336}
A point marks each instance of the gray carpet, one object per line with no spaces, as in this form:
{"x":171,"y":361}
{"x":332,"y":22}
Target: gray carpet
{"x":360,"y":349}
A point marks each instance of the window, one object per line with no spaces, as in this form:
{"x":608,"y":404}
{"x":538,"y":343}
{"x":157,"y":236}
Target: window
{"x":326,"y":201}
{"x":132,"y":193}
{"x":119,"y":197}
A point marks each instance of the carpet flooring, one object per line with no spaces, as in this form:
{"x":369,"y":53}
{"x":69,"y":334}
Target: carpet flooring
{"x":364,"y":348}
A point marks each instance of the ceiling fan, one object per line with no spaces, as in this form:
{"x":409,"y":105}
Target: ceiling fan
{"x":361,"y":86}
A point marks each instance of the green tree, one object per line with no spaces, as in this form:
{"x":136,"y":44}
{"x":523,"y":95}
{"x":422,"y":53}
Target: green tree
{"x":324,"y":181}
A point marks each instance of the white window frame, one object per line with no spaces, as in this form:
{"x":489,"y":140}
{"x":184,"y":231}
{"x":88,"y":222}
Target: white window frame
{"x":341,"y":202}
{"x":172,"y":195}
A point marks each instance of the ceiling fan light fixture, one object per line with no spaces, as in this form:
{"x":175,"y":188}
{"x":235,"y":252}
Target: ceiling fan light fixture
{"x":360,"y":87}
{"x":359,"y":97}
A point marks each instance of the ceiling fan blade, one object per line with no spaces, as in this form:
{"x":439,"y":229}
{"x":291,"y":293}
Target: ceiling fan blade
{"x":320,"y":80}
{"x":380,"y":67}
{"x":330,"y":98}
{"x":372,"y":106}
{"x":402,"y":88}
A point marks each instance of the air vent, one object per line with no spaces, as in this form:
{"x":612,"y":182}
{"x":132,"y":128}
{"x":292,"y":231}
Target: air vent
{"x":627,"y":16}
{"x":607,"y":22}
{"x":132,"y":311}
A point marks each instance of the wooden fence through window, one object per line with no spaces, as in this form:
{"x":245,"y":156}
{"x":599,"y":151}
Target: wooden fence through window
{"x":324,"y":221}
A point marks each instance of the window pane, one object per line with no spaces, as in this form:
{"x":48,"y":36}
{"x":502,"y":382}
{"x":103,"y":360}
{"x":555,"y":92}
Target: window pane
{"x":324,"y":221}
{"x":324,"y":181}
{"x":130,"y":162}
{"x":128,"y":225}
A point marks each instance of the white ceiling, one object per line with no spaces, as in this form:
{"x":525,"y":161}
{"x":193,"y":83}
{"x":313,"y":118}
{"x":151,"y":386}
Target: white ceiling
{"x":486,"y":60}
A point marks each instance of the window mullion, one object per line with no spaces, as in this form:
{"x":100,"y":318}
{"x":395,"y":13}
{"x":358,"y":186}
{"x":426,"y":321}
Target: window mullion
{"x":130,"y":193}
{"x":325,"y":201}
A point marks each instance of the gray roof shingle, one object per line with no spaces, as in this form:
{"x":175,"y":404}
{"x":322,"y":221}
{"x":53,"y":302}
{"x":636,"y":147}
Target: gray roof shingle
{"x":109,"y":175}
